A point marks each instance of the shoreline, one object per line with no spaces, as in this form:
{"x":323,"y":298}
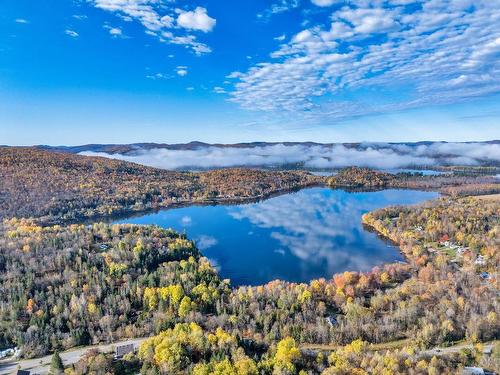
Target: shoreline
{"x":130,"y":213}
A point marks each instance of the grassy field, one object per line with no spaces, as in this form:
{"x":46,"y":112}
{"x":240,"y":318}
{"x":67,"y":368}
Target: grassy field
{"x":373,"y":347}
{"x":452,"y":253}
{"x":490,"y":197}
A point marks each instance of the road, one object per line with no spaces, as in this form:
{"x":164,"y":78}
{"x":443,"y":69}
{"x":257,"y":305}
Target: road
{"x":41,"y":365}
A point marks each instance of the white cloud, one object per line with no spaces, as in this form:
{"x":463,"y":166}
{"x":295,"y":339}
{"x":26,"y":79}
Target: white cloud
{"x":196,"y":20}
{"x":157,"y":76}
{"x":181,"y":71}
{"x":71,"y":33}
{"x":159,"y":20}
{"x":367,"y":21}
{"x":278,"y":7}
{"x":483,"y":53}
{"x":115,"y":31}
{"x":219,"y":90}
{"x":443,"y":52}
{"x":142,"y":10}
{"x":303,"y":36}
{"x":324,"y":3}
{"x":188,"y":40}
{"x":316,"y":156}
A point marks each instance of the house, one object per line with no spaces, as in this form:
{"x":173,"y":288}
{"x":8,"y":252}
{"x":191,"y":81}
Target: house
{"x":484,"y":275}
{"x":472,"y":371}
{"x":15,"y":352}
{"x":461,"y":251}
{"x":476,"y":371}
{"x":5,"y":353}
{"x":480,"y":261}
{"x":122,"y":350}
{"x":488,"y":350}
{"x":103,"y":247}
{"x":23,"y":372}
{"x":450,"y":245}
{"x":331,"y":320}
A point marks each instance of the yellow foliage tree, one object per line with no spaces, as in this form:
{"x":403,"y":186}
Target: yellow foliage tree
{"x":287,"y":355}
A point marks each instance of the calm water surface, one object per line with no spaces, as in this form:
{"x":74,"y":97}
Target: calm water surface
{"x":296,"y":237}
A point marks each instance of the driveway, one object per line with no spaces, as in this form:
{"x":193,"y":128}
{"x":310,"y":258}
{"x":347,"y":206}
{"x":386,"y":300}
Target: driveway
{"x":41,"y":365}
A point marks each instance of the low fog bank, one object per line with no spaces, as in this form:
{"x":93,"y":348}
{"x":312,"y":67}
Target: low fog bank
{"x":375,"y":155}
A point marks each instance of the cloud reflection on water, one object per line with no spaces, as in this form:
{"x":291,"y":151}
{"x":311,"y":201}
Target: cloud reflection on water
{"x":296,"y":237}
{"x":204,"y":242}
{"x":318,"y":229}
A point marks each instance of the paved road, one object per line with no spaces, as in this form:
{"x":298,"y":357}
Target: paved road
{"x":41,"y":365}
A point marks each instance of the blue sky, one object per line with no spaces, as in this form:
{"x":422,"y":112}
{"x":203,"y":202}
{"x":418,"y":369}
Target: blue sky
{"x":122,"y":71}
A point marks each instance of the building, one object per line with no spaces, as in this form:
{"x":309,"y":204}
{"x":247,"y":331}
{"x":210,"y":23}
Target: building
{"x":14,"y":352}
{"x":480,"y":261}
{"x":122,"y":350}
{"x":5,"y":353}
{"x":461,"y":250}
{"x":331,"y":321}
{"x":476,"y":371}
{"x":484,"y":275}
{"x":23,"y":372}
{"x":488,"y":350}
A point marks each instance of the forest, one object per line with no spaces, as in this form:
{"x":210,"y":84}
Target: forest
{"x":76,"y":285}
{"x":66,"y":284}
{"x":58,"y":187}
{"x":457,"y":183}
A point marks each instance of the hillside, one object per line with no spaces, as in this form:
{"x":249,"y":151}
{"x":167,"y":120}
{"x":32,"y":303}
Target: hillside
{"x":56,"y":186}
{"x":356,"y":178}
{"x":62,"y":187}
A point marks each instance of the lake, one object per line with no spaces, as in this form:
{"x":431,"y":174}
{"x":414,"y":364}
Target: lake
{"x":297,"y":237}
